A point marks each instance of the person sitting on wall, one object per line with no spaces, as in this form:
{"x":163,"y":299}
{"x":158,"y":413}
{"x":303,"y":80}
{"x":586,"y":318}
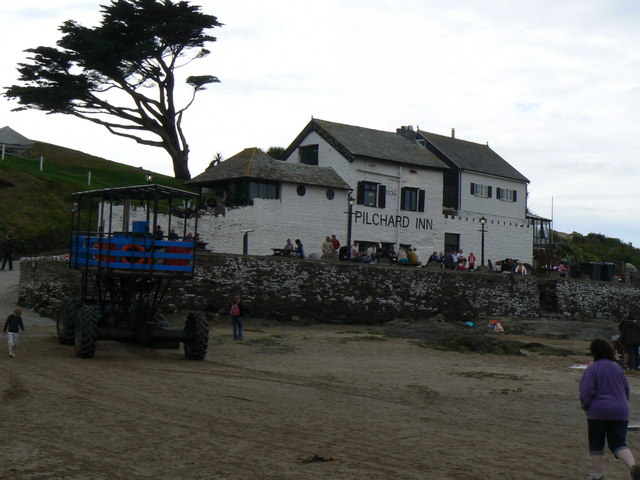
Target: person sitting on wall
{"x":158,"y":234}
{"x":391,"y":254}
{"x":327,"y":249}
{"x":520,"y":269}
{"x":336,"y":247}
{"x":434,"y":258}
{"x":372,"y":254}
{"x":299,"y":250}
{"x":461,"y":259}
{"x":402,"y":256}
{"x":563,"y":269}
{"x":412,"y":257}
{"x":356,"y":255}
{"x":448,"y":261}
{"x":198,"y":241}
{"x":173,"y":235}
{"x":472,"y":261}
{"x":288,"y":247}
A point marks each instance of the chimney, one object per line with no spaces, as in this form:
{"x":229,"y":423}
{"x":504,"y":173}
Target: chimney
{"x":453,"y":133}
{"x":407,"y":132}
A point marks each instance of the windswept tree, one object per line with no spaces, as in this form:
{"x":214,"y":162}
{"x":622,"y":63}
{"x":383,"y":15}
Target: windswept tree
{"x":122,"y":73}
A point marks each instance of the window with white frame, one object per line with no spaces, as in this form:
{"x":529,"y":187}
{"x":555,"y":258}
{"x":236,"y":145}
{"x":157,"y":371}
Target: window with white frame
{"x":480,"y":190}
{"x":506,"y":194}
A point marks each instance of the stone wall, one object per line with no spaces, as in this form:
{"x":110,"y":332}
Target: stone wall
{"x":280,"y":288}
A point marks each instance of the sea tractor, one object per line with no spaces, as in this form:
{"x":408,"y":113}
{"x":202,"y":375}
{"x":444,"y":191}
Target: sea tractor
{"x":127,"y":265}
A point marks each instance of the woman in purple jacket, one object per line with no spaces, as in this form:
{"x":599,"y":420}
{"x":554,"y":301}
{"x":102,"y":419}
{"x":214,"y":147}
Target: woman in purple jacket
{"x":604,"y":396}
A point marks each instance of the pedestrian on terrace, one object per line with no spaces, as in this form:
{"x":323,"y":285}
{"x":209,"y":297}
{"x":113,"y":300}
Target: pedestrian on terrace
{"x":7,"y":251}
{"x":12,"y":328}
{"x":631,"y":342}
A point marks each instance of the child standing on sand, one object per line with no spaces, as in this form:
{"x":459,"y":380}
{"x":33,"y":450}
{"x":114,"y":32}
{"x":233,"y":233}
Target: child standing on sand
{"x":12,"y":328}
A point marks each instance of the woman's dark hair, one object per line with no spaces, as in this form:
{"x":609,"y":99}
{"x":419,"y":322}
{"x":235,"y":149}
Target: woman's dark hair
{"x":601,"y":349}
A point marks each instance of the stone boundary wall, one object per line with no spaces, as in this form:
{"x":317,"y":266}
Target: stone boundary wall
{"x":343,"y":292}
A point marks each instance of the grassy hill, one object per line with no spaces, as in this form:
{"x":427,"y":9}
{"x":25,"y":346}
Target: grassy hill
{"x":35,"y":204}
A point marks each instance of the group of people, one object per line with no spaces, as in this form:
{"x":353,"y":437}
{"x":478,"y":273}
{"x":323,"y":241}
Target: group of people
{"x":158,"y":234}
{"x":292,"y":250}
{"x":453,"y":260}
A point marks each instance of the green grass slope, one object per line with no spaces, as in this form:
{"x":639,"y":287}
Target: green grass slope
{"x":35,"y":205}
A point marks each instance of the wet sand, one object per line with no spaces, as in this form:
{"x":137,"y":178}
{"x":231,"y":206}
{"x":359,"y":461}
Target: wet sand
{"x":290,"y":402}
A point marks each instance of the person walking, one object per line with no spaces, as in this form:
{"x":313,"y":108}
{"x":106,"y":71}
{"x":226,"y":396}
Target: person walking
{"x":604,"y":396}
{"x":7,"y":251}
{"x":631,"y":342}
{"x":237,"y":318}
{"x":12,"y":328}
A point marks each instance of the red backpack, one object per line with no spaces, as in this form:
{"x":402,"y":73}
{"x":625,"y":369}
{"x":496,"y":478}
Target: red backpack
{"x":234,"y":311}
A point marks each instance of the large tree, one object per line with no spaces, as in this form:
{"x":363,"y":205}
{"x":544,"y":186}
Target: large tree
{"x":121,"y":74}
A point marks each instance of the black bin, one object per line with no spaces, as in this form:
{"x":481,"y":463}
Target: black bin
{"x":596,"y":270}
{"x":608,"y":272}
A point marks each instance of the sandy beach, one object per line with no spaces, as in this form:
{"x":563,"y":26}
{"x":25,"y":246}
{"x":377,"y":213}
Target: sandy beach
{"x":291,"y":402}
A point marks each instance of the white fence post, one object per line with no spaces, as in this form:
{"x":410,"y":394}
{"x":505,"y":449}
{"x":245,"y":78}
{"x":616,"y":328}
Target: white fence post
{"x":41,"y":161}
{"x":89,"y":178}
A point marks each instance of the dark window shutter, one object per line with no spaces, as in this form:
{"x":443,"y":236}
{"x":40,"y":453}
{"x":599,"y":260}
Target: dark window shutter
{"x":515,"y":196}
{"x":382,"y":196}
{"x":489,"y":193}
{"x":473,"y":185}
{"x":360,"y":193}
{"x":421,"y":198}
{"x":402,"y":201}
{"x":498,"y":193}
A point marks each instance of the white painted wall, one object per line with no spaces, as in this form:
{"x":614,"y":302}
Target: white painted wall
{"x":475,"y":204}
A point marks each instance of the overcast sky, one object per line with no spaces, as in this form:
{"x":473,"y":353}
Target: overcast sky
{"x":552,"y":85}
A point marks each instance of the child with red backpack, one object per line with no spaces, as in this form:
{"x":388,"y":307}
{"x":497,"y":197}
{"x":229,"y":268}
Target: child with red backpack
{"x":237,"y":317}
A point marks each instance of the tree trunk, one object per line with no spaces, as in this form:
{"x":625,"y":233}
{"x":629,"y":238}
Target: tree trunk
{"x":180,"y":164}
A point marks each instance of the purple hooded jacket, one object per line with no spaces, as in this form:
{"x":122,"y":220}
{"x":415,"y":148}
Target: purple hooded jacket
{"x":604,"y":391}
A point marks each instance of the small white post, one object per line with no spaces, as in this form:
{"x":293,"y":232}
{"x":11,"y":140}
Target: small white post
{"x":3,"y":146}
{"x":89,"y":178}
{"x":41,"y":161}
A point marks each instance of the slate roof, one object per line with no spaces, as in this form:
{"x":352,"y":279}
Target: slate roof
{"x":473,"y":157}
{"x":254,"y":163}
{"x":353,"y":142}
{"x":13,"y":140}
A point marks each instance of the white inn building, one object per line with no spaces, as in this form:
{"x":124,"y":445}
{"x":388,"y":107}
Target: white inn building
{"x":408,"y":188}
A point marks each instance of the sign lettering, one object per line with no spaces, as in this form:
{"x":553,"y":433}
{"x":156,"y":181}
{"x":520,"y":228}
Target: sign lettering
{"x":393,"y":221}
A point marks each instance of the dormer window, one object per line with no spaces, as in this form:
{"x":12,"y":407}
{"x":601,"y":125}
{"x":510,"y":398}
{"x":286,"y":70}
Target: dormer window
{"x":308,"y":154}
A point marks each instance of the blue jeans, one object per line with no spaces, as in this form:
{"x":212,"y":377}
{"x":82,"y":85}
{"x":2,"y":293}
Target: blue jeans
{"x":237,"y":327}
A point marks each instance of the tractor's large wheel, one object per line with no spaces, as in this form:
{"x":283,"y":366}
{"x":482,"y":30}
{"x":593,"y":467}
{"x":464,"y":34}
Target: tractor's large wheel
{"x":86,"y":336}
{"x":197,"y":330}
{"x":66,"y":322}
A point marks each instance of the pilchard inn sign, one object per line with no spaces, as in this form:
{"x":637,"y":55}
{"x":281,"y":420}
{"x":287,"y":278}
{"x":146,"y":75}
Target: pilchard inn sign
{"x":394,"y":221}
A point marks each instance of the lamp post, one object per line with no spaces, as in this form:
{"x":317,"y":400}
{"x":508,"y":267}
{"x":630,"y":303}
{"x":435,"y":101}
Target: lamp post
{"x":350,"y":202}
{"x":483,"y":222}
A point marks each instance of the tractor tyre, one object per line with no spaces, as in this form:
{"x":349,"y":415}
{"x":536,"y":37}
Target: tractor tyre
{"x":86,"y":335}
{"x":197,"y":330}
{"x":66,"y":321}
